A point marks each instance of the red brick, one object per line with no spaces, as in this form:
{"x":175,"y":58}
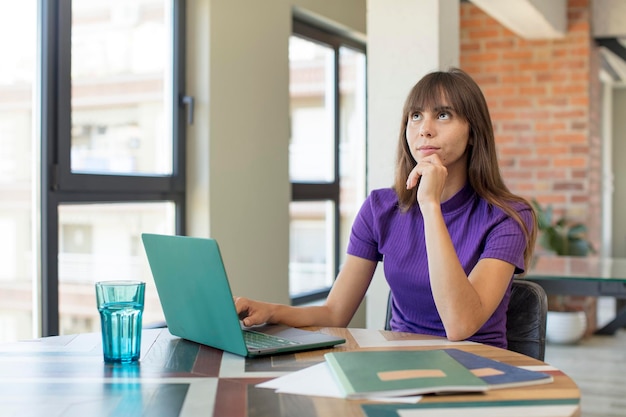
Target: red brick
{"x":551,"y":150}
{"x":567,"y":186}
{"x":517,"y":78}
{"x":564,"y":90}
{"x":553,"y":101}
{"x":484,"y":57}
{"x":516,"y":102}
{"x":467,"y":48}
{"x":535,"y":91}
{"x":580,"y":101}
{"x":570,"y":162}
{"x":551,"y":174}
{"x":549,"y":77}
{"x":517,"y":151}
{"x":517,"y":54}
{"x":484,"y":33}
{"x":550,"y":127}
{"x":499,"y":68}
{"x":534,"y":163}
{"x":535,"y":66}
{"x":500,"y":44}
{"x":571,"y":138}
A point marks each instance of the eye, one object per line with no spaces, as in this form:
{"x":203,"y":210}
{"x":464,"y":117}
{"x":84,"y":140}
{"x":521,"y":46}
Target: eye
{"x":416,"y":116}
{"x":444,"y":115}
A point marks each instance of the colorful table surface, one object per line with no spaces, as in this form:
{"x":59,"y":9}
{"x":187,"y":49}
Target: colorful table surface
{"x":65,"y":376}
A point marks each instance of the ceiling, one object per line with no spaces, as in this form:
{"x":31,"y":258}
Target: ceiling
{"x":613,"y":58}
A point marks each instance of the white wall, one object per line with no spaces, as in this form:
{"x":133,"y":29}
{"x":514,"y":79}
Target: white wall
{"x":618,"y":223}
{"x":405,"y":42}
{"x":238,"y":176}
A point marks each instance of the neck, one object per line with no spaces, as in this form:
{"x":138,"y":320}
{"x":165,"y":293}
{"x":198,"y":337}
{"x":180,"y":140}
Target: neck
{"x":457,"y":178}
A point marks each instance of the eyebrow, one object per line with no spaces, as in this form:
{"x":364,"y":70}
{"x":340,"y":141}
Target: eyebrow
{"x":437,"y":109}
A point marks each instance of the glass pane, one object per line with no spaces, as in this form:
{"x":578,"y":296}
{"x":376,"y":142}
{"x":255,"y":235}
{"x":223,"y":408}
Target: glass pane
{"x":100,"y":242}
{"x":18,"y":46}
{"x":311,"y":248}
{"x":312,"y":148}
{"x":121,"y":87}
{"x":352,"y":86}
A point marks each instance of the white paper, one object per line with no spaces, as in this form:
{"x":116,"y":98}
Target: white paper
{"x":366,"y":338}
{"x":314,"y":380}
{"x":317,"y":380}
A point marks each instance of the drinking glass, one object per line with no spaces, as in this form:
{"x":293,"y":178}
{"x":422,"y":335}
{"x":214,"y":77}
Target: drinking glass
{"x":120,"y":304}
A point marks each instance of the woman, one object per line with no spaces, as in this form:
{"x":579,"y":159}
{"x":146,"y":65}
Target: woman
{"x":450,"y":233}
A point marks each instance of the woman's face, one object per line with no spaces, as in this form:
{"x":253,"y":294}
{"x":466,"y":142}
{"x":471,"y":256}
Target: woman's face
{"x":440,"y":131}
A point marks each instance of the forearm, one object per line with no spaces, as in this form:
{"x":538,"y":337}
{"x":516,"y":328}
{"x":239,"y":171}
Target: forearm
{"x":303,"y":316}
{"x":458,"y":303}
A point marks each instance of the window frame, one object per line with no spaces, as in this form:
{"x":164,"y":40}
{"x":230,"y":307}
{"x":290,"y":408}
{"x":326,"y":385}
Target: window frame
{"x":317,"y":32}
{"x":58,"y":184}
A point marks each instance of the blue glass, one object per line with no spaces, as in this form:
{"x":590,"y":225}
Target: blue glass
{"x":120,"y":304}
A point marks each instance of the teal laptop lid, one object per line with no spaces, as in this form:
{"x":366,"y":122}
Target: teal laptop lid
{"x":197,"y":301}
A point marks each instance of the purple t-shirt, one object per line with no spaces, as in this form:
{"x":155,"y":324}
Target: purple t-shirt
{"x":381,"y":232}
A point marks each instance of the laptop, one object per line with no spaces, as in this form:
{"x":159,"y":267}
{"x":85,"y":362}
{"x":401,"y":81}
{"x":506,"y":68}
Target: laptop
{"x":198,"y":303}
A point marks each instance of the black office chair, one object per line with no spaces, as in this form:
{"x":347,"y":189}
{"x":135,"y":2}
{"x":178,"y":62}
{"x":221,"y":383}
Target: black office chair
{"x":525,"y":319}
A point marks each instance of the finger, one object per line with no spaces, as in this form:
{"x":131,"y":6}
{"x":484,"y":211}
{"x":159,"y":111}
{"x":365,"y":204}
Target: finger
{"x":413,"y":179}
{"x":241,"y":308}
{"x":249,"y":321}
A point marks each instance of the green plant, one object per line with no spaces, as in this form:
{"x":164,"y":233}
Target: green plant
{"x":561,"y":237}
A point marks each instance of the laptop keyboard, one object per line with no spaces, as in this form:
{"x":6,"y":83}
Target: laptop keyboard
{"x":255,"y":340}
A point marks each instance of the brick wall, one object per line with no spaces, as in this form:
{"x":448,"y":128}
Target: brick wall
{"x":540,"y":93}
{"x":544,"y":97}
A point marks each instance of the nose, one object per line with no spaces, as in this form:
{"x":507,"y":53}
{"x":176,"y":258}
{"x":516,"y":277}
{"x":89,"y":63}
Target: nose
{"x":426,"y":128}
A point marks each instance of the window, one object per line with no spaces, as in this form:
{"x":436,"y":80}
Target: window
{"x":116,"y":156}
{"x":18,"y":48}
{"x":327,"y":154}
{"x":91,"y":154}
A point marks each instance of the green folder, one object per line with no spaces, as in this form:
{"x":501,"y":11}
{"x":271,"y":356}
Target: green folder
{"x":394,"y":373}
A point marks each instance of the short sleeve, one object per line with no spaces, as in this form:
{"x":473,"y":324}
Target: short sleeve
{"x":363,"y":237}
{"x":507,"y":240}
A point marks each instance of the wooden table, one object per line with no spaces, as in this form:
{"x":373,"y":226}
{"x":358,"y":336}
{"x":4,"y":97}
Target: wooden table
{"x":65,"y":376}
{"x":588,"y":276}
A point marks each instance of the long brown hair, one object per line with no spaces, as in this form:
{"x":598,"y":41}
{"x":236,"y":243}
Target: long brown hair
{"x":483,"y":172}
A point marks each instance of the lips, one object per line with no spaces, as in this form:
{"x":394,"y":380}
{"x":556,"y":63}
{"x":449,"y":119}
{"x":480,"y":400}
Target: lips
{"x":427,"y":150}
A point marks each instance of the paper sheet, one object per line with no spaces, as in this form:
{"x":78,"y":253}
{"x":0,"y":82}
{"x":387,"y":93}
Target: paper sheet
{"x":317,"y":380}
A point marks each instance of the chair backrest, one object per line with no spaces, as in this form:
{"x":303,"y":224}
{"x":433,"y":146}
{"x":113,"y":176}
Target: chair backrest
{"x":525,"y":321}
